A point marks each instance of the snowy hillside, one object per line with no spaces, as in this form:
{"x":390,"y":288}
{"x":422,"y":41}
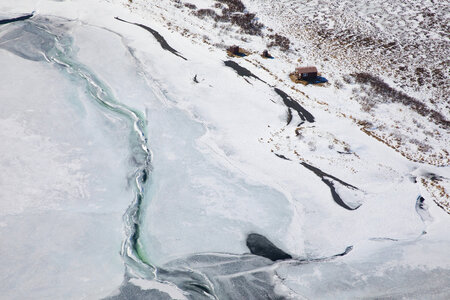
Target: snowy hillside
{"x":141,"y":161}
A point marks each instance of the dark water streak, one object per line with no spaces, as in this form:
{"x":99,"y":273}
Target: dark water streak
{"x":291,"y":103}
{"x":289,"y":116}
{"x":22,"y":18}
{"x":161,"y":40}
{"x":330,"y":184}
{"x":324,"y":259}
{"x":241,"y":71}
{"x":281,"y":156}
{"x":262,"y":246}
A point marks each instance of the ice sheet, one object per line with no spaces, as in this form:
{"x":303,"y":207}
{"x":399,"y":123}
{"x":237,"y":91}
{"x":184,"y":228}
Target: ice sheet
{"x":73,"y":146}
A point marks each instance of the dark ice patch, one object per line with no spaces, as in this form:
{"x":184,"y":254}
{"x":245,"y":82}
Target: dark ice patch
{"x":422,"y":209}
{"x":419,"y":202}
{"x":144,"y":175}
{"x":291,"y":103}
{"x":261,"y":246}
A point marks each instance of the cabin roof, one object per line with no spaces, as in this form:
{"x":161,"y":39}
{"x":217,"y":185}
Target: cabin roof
{"x":309,"y":69}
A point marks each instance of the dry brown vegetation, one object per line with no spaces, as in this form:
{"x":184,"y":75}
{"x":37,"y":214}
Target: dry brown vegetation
{"x":436,"y":189}
{"x":371,"y":90}
{"x":381,"y":92}
{"x":233,"y":12}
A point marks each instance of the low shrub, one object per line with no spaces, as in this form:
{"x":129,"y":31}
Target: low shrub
{"x":190,"y":5}
{"x":279,"y":41}
{"x":247,"y":23}
{"x":205,"y":12}
{"x":233,"y":13}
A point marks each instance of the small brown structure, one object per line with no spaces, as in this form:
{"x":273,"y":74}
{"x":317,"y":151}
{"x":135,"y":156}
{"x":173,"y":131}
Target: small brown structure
{"x":234,"y":50}
{"x":306,"y":73}
{"x":266,"y":54}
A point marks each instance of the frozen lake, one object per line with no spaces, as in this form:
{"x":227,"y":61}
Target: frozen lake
{"x":121,"y":177}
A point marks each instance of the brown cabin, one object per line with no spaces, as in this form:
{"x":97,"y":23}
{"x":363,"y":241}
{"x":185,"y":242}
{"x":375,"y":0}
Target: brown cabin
{"x":306,"y":73}
{"x":234,"y":50}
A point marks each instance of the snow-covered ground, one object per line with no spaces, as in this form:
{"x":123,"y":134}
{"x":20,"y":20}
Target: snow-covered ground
{"x":135,"y":163}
